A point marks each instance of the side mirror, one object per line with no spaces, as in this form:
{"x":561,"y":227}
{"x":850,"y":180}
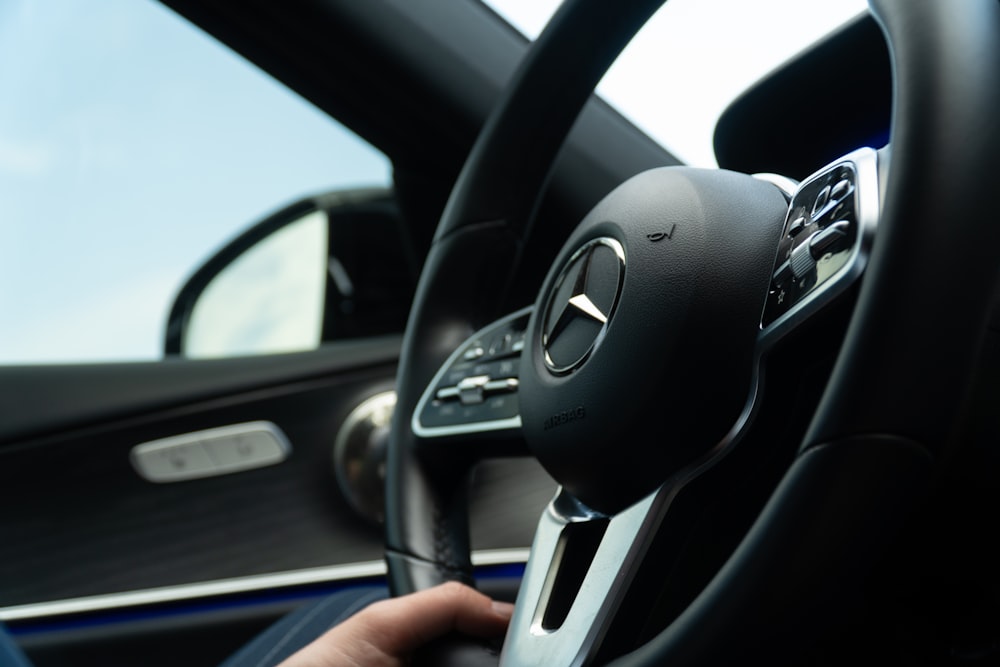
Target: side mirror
{"x":331,"y":267}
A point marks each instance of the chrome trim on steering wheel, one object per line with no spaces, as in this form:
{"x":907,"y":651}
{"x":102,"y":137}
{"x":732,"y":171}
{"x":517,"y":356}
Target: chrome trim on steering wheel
{"x":528,"y":643}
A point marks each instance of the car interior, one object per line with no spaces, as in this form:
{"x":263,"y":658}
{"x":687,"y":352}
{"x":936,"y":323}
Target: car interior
{"x":677,"y":415}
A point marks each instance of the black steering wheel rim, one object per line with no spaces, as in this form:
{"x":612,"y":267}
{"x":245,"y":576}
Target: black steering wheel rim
{"x":474,"y":257}
{"x":897,"y":389}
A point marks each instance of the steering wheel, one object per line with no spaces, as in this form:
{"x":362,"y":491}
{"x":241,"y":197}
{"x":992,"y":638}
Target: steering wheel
{"x":742,"y":384}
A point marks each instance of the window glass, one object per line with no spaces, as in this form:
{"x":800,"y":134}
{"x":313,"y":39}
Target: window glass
{"x":132,"y":146}
{"x":694,"y":57}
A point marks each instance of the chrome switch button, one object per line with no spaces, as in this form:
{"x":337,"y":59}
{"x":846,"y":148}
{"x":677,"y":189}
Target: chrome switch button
{"x":216,"y":451}
{"x":834,"y":238}
{"x":232,"y":453}
{"x":470,"y":389}
{"x":473,"y":353}
{"x":183,"y":460}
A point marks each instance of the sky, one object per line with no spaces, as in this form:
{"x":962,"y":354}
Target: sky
{"x":132,"y":146}
{"x":695,"y":56}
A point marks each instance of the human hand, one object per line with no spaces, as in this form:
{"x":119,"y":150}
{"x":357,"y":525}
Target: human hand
{"x":384,"y":634}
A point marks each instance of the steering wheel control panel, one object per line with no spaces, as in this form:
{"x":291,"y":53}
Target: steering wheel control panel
{"x":822,"y":235}
{"x":476,"y":389}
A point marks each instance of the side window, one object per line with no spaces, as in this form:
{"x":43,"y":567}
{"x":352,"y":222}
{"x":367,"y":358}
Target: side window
{"x":268,"y":299}
{"x":133,"y":150}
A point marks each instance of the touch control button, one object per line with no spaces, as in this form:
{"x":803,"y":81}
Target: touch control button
{"x":473,"y":353}
{"x":783,"y":274}
{"x":446,"y":393}
{"x":470,"y":389}
{"x":797,"y":226}
{"x":832,"y":239}
{"x":801,"y":261}
{"x":821,"y":199}
{"x":840,"y":190}
{"x":501,"y":386}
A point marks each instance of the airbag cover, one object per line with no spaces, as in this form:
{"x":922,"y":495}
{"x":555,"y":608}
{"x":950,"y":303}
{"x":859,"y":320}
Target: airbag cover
{"x":641,"y":347}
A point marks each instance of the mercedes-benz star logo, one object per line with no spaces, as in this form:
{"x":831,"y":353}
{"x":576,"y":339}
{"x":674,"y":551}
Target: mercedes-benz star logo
{"x":582,"y":302}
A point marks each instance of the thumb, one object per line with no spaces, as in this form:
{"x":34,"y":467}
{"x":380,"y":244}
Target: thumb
{"x":408,"y":622}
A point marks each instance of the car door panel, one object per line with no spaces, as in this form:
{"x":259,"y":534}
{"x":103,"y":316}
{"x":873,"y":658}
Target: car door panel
{"x":140,"y":562}
{"x":79,"y":521}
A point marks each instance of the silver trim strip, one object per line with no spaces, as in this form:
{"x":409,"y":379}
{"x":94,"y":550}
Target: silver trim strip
{"x":787,"y":185}
{"x":151,"y":596}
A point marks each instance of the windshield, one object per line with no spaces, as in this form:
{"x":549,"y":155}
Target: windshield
{"x":694,"y":57}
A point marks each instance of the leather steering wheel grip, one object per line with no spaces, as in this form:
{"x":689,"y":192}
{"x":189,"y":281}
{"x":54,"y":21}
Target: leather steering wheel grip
{"x":474,"y":257}
{"x":897,"y":389}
